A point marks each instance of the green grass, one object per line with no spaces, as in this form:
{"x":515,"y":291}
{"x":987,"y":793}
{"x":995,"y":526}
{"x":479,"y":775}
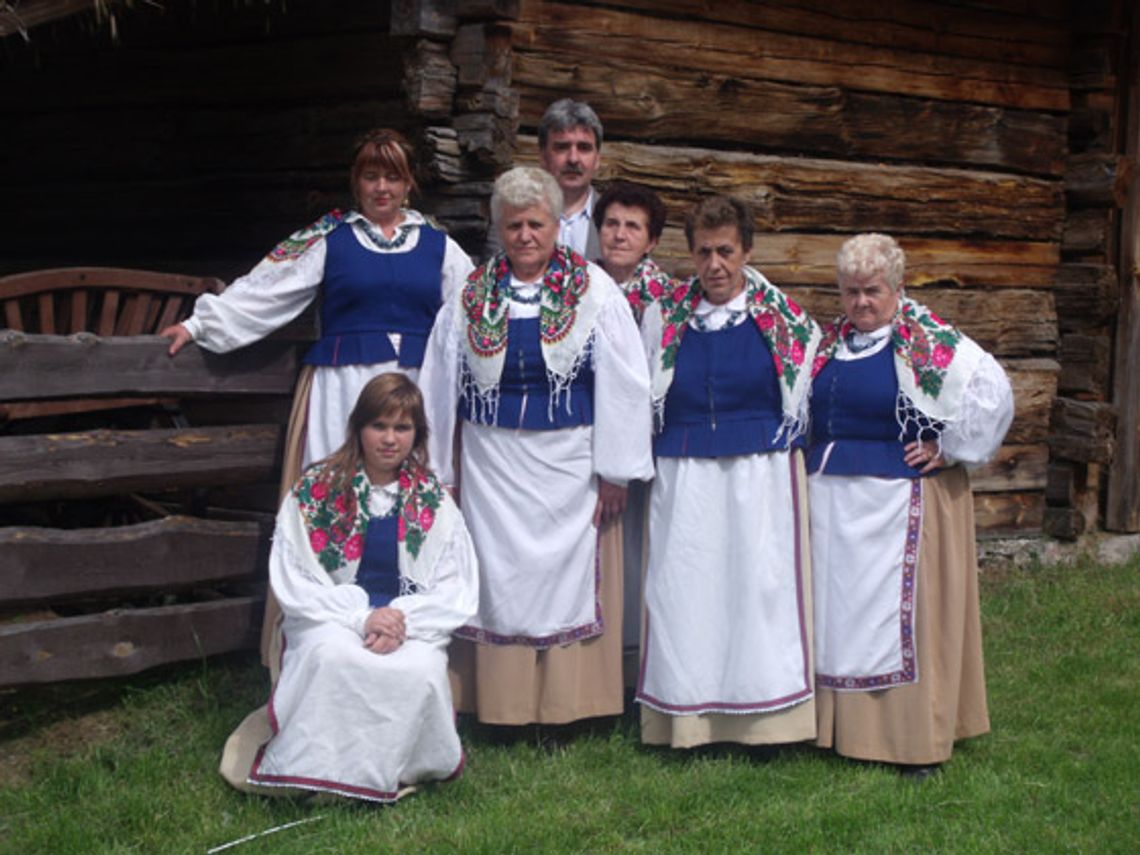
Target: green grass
{"x":131,"y":766}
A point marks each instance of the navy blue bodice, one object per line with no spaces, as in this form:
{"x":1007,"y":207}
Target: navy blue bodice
{"x":853,"y":421}
{"x":725,"y":397}
{"x":379,"y":571}
{"x":524,"y":391}
{"x":366,"y":294}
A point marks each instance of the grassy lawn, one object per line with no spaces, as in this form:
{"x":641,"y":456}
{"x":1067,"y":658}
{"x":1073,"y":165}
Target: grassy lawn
{"x":130,"y":766}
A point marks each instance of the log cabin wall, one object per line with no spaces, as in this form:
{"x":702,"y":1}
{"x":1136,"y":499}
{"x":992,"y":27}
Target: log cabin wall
{"x":941,"y":123}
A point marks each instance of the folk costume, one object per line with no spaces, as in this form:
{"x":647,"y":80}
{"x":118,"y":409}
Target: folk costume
{"x":647,"y":283}
{"x":343,"y":719}
{"x":379,"y":299}
{"x":549,"y":383}
{"x":899,"y":670}
{"x":727,"y":653}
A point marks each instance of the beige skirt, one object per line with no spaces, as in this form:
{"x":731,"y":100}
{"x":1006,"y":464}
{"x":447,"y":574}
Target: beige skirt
{"x":791,"y":724}
{"x":516,"y":684}
{"x":918,"y":723}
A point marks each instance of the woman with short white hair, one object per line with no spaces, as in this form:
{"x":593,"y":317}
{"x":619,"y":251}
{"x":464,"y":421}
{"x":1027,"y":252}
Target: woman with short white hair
{"x":900,"y":398}
{"x":539,"y":360}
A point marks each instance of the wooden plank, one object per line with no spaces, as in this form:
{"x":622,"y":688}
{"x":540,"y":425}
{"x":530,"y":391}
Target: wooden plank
{"x":1006,"y":323}
{"x":703,"y":47}
{"x":72,"y":406}
{"x":1014,"y":467}
{"x":643,"y":102}
{"x":34,"y":367}
{"x":42,"y":564}
{"x":1122,"y":508}
{"x":125,"y":641}
{"x":1023,"y":38}
{"x":1009,"y":514}
{"x":802,"y":193}
{"x":107,"y":462}
{"x":1084,"y":431}
{"x":1034,"y":383}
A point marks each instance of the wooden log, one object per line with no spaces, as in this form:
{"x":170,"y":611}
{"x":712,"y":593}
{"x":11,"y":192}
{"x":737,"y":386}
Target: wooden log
{"x":642,"y":102}
{"x":809,"y":259}
{"x":429,"y":80}
{"x":1089,"y":232}
{"x":705,"y":47}
{"x":1007,"y":323}
{"x":423,"y":17}
{"x":482,"y":54}
{"x":486,"y":8}
{"x":1014,"y":467}
{"x":1085,"y":364}
{"x":1086,"y":294}
{"x":488,"y":138}
{"x":1063,"y":523}
{"x":35,"y":367}
{"x":42,"y":564}
{"x":1084,"y":431}
{"x":800,"y":193}
{"x":1097,"y":179}
{"x":125,"y":641}
{"x":107,"y":462}
{"x":1027,"y":37}
{"x":1006,"y":514}
{"x":1034,"y":383}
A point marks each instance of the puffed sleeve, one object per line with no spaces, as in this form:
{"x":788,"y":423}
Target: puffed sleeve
{"x":303,"y":588}
{"x":262,"y":301}
{"x":623,"y":414}
{"x":439,"y":383}
{"x":453,"y":596}
{"x":456,"y":267}
{"x":987,"y":410}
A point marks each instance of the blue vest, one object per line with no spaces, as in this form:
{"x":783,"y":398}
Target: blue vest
{"x":524,"y":391}
{"x":366,"y":294}
{"x":853,"y":408}
{"x":379,"y":571}
{"x":725,"y":396}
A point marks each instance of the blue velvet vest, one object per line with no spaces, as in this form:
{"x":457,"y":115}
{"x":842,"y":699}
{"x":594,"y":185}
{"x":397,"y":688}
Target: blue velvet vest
{"x":524,"y":391}
{"x":853,"y":412}
{"x":379,"y":570}
{"x":725,"y":396}
{"x":366,"y":294}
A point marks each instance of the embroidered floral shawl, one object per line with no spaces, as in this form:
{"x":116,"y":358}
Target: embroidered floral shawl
{"x":297,"y":243}
{"x":647,"y":284}
{"x":934,"y":362}
{"x":791,"y":336}
{"x":568,"y":310}
{"x":336,"y":521}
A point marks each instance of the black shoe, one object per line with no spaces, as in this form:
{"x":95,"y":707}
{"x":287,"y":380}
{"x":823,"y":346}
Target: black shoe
{"x":919,"y":772}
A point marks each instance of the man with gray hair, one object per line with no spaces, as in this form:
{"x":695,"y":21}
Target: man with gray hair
{"x":569,"y":148}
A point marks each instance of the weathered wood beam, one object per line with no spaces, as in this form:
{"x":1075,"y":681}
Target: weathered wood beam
{"x":809,"y":259}
{"x":1085,"y":364}
{"x":1084,"y":431}
{"x":41,"y":564}
{"x":699,"y":46}
{"x":429,"y":80}
{"x":800,"y":193}
{"x":1034,"y":383}
{"x":1014,"y":467}
{"x":125,"y":641}
{"x":1086,"y":294}
{"x":1027,"y":38}
{"x":1089,"y":232}
{"x":1005,"y":514}
{"x":34,"y":367}
{"x":1097,"y":178}
{"x":106,"y":462}
{"x":1122,"y":507}
{"x":1005,"y":322}
{"x":640,"y":101}
{"x":487,"y":8}
{"x":423,"y":17}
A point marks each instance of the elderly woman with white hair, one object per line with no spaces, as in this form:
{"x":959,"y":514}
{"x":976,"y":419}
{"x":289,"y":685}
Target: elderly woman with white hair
{"x":900,"y":398}
{"x":539,"y":361}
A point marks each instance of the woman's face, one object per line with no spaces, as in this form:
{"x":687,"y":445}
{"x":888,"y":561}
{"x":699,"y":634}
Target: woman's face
{"x":386,"y":442}
{"x":868,"y":302}
{"x":720,"y":258}
{"x":528,"y":236}
{"x":380,"y":193}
